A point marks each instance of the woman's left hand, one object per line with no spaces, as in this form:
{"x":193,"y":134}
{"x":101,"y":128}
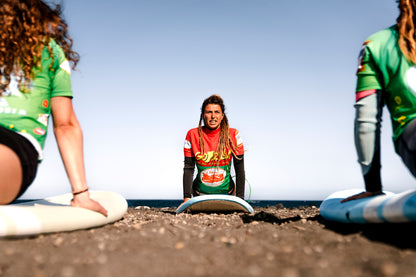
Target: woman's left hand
{"x":84,"y":201}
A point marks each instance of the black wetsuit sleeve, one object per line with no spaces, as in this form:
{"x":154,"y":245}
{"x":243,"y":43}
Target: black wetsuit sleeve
{"x":372,"y":179}
{"x":188,"y":175}
{"x":240,"y":175}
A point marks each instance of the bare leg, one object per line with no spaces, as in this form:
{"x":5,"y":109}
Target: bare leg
{"x":10,"y":175}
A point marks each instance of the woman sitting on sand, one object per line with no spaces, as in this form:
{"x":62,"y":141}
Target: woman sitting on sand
{"x":387,"y":75}
{"x":35,"y":52}
{"x":211,"y":148}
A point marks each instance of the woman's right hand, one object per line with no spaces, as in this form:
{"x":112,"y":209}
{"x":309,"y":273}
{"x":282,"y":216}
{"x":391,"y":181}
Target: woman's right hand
{"x":83,"y":200}
{"x":184,"y":200}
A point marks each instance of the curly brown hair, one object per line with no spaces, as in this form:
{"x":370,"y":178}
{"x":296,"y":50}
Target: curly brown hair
{"x":406,"y":26}
{"x":26,"y":28}
{"x":225,"y":143}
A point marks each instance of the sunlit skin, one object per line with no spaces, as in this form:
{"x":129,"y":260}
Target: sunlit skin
{"x":213,"y":116}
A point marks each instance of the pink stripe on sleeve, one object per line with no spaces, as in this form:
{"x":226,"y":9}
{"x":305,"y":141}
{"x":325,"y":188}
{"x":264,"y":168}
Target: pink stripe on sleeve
{"x":364,"y":93}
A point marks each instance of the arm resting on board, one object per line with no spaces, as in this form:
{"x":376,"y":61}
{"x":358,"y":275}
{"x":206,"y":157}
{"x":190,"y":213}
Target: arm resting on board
{"x":188,"y":175}
{"x":69,"y":139}
{"x":240,"y":175}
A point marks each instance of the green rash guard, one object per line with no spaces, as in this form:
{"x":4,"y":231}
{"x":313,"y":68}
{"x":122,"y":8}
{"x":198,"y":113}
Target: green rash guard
{"x":27,"y":113}
{"x":384,"y":67}
{"x":384,"y":76}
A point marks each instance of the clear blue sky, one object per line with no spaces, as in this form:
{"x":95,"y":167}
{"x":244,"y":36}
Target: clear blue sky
{"x":286,"y":70}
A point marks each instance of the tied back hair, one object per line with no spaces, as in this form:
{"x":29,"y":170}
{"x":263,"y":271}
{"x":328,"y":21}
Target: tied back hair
{"x":26,"y":28}
{"x":225,"y":143}
{"x":406,"y":26}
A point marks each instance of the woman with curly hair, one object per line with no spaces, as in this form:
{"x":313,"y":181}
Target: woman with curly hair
{"x":35,"y":57}
{"x":387,"y":75}
{"x":211,"y":148}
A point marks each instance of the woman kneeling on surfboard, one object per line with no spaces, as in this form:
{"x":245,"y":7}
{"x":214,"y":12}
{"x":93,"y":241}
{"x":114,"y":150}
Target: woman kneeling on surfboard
{"x":211,"y":148}
{"x":35,"y":57}
{"x":387,"y":75}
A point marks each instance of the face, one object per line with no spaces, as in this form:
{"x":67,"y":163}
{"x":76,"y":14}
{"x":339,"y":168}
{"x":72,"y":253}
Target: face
{"x":213,"y":116}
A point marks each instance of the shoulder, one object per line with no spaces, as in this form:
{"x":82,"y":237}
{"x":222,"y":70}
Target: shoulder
{"x":192,"y":132}
{"x":57,"y":50}
{"x":233,"y":131}
{"x":383,"y":36}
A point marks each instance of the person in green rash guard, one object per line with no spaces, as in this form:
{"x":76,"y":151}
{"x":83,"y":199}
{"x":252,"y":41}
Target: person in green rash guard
{"x":35,"y":57}
{"x":387,"y":76}
{"x":211,"y":148}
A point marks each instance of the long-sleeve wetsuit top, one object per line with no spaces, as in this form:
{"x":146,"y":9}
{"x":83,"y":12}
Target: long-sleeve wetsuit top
{"x":384,"y":76}
{"x":213,"y":177}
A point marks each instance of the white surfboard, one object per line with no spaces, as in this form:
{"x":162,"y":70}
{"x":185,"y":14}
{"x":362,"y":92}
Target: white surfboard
{"x":55,"y":214}
{"x":215,"y":203}
{"x":389,"y":207}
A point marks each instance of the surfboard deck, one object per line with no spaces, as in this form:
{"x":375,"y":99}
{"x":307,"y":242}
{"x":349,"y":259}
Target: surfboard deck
{"x":390,"y":207}
{"x":54,"y":214}
{"x":215,"y":203}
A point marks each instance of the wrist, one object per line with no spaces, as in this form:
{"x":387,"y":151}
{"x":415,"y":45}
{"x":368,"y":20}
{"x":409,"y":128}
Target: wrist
{"x":78,"y":192}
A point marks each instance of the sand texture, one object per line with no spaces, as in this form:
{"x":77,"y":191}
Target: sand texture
{"x":275,"y":241}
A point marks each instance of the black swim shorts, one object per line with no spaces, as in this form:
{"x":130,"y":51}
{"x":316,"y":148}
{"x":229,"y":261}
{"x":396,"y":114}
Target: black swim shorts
{"x":25,"y":151}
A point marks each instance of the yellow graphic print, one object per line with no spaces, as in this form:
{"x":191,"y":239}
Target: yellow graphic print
{"x":211,"y":156}
{"x":402,"y":120}
{"x":398,"y":100}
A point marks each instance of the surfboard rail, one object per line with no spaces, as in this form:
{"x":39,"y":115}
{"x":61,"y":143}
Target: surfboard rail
{"x":54,"y":214}
{"x":215,"y":203}
{"x":387,"y":208}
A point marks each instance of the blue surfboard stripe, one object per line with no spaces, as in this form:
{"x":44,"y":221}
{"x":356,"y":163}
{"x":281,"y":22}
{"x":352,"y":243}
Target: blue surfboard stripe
{"x":409,"y":209}
{"x":384,"y":208}
{"x":380,"y":210}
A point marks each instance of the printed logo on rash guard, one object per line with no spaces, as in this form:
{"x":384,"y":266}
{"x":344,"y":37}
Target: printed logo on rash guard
{"x":39,"y":131}
{"x":213,"y":177}
{"x":361,"y":65}
{"x":187,"y":145}
{"x":211,"y":156}
{"x":45,"y":103}
{"x":43,"y":118}
{"x":66,"y":67}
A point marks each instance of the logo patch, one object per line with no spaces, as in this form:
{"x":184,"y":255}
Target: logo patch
{"x":39,"y":131}
{"x":361,"y":65}
{"x":65,"y":66}
{"x":213,"y":177}
{"x":45,"y":103}
{"x":43,"y":118}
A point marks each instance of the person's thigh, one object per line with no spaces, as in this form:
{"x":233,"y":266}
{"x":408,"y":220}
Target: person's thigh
{"x":10,"y":175}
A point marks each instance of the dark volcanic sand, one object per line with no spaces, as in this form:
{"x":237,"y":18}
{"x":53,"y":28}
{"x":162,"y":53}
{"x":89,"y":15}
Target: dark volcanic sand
{"x":275,"y":241}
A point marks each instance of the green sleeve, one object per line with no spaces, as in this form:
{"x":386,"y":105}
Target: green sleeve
{"x":61,"y":81}
{"x":368,"y":77}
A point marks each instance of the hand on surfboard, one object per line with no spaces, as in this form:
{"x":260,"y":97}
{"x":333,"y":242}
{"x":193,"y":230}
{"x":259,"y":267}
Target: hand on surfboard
{"x":84,"y":201}
{"x":361,"y":195}
{"x":184,"y":200}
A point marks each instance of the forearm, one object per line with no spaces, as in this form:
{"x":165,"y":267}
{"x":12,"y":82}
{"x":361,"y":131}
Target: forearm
{"x":367,"y":139}
{"x":188,"y":174}
{"x":240,"y":175}
{"x":70,"y":144}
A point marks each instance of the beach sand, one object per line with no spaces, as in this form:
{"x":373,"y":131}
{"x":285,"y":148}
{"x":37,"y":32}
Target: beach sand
{"x":275,"y":241}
